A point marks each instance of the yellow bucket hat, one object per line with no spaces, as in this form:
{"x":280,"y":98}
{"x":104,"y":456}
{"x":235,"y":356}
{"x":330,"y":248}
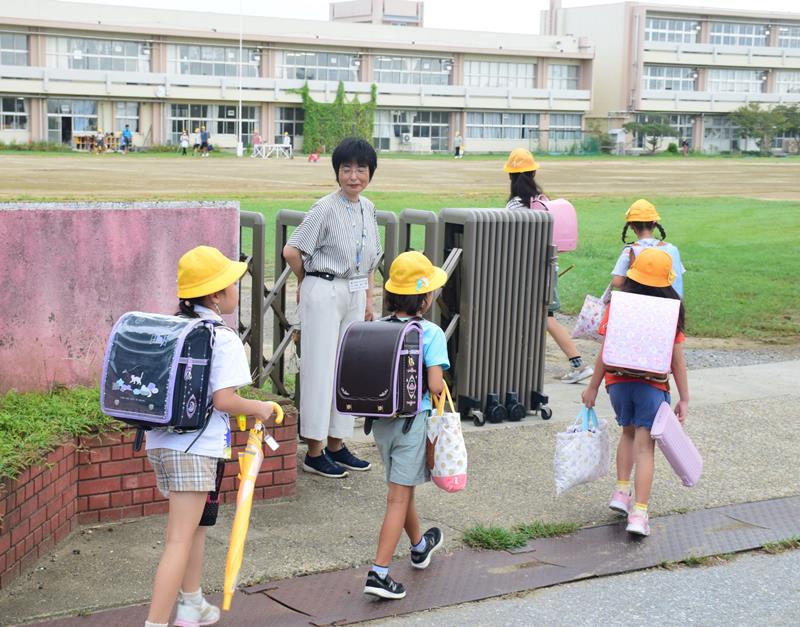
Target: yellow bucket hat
{"x":520,"y":160}
{"x":642,"y":211}
{"x":204,"y":270}
{"x":652,"y":267}
{"x":413,"y":273}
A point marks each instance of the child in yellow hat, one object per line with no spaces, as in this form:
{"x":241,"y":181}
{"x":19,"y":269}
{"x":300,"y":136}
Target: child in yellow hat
{"x":636,"y":400}
{"x":413,"y":279}
{"x":207,"y":288}
{"x":643,"y":219}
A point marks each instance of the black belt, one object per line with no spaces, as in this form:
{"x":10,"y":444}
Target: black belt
{"x":322,"y":275}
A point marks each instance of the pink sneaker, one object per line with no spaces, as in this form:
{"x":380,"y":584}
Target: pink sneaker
{"x":638,"y":523}
{"x":621,"y":502}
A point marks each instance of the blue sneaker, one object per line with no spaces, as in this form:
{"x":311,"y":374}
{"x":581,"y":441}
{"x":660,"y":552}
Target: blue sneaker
{"x":324,"y":466}
{"x":345,"y":458}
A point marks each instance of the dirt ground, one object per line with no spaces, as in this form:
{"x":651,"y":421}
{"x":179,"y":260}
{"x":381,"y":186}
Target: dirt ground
{"x":115,"y":177}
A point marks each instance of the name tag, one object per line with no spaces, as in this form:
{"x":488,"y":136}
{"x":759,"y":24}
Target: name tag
{"x":271,"y":443}
{"x":358,"y":284}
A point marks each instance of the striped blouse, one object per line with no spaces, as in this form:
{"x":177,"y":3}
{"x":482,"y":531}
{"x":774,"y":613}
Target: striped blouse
{"x":332,"y":233}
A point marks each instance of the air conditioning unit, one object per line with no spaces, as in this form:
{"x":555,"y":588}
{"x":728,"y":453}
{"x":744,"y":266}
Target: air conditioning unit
{"x":405,"y":138}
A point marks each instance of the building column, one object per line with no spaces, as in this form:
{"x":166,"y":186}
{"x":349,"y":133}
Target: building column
{"x":585,"y":74}
{"x":268,"y":116}
{"x":268,"y":63}
{"x":37,"y":122}
{"x":544,"y":131}
{"x":457,"y":74}
{"x":158,"y":57}
{"x":705,"y":31}
{"x":697,"y":133}
{"x":367,"y":68}
{"x":541,"y":74}
{"x":37,"y":50}
{"x":157,"y":123}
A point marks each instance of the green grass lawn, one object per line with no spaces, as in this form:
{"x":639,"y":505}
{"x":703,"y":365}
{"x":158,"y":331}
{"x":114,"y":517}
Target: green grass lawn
{"x":741,"y":255}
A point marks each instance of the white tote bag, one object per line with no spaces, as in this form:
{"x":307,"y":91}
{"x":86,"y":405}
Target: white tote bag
{"x":591,"y":314}
{"x":582,"y":451}
{"x":447,"y":452}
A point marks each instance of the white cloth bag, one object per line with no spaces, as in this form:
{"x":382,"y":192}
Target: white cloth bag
{"x":588,"y":322}
{"x":447,"y":452}
{"x":582,"y":451}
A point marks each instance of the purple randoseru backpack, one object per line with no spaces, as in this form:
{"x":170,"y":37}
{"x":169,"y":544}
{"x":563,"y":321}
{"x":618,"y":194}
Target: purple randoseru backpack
{"x":156,"y":371}
{"x":676,"y":445}
{"x":379,"y":369}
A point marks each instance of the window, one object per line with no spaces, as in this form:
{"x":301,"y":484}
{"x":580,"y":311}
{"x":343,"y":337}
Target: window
{"x":412,"y":70}
{"x":720,"y":134}
{"x":65,"y":118}
{"x":502,"y":125}
{"x":677,"y":31}
{"x":318,"y":66}
{"x":421,"y":124}
{"x":738,"y":34}
{"x":681,"y":123}
{"x":13,"y":49}
{"x":218,"y":120}
{"x":289,"y":120}
{"x":212,"y":60}
{"x":565,"y":132}
{"x":126,"y":113}
{"x":669,"y":77}
{"x":13,"y":115}
{"x":76,"y":53}
{"x":560,"y":76}
{"x":749,"y":81}
{"x":789,"y":36}
{"x":787,"y":82}
{"x":499,"y":74}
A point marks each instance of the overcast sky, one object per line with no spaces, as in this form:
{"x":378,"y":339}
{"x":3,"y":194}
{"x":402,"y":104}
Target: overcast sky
{"x":488,"y":15}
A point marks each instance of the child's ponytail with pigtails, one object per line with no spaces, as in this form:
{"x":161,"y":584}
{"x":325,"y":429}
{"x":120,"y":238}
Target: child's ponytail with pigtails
{"x":661,"y":230}
{"x":625,"y":233}
{"x":186,"y":307}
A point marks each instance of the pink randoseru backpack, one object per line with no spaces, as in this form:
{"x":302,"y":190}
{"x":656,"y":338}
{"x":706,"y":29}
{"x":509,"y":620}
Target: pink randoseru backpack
{"x":679,"y":450}
{"x":640,"y":333}
{"x":565,"y":221}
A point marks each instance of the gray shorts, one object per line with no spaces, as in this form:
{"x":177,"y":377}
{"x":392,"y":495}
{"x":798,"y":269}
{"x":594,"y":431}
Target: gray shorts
{"x":403,"y":454}
{"x":182,"y":472}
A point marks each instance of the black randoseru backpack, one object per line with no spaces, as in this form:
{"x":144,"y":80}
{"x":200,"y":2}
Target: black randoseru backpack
{"x":156,"y":372}
{"x":379,"y":371}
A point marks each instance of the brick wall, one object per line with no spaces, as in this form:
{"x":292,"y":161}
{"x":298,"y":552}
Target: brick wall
{"x":100,"y":479}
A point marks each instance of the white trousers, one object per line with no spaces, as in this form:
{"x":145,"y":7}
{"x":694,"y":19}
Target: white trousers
{"x":326,"y":308}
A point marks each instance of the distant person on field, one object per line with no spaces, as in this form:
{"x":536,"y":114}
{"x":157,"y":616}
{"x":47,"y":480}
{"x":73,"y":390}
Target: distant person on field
{"x":521,"y":168}
{"x":685,"y":147}
{"x":184,"y":142}
{"x":195,"y":140}
{"x":126,"y":139}
{"x":257,"y":141}
{"x":205,"y":138}
{"x":643,"y":219}
{"x":99,"y":141}
{"x":458,"y":142}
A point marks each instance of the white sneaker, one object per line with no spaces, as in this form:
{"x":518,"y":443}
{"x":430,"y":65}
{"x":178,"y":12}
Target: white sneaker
{"x":577,"y":374}
{"x":193,"y":615}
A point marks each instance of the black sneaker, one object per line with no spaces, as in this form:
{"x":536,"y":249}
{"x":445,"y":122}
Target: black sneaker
{"x":345,"y":458}
{"x":386,"y":588}
{"x":323,"y":465}
{"x":433,"y":540}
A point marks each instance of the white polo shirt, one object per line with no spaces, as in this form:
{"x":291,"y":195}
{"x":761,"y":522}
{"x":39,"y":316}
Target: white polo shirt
{"x":229,"y":369}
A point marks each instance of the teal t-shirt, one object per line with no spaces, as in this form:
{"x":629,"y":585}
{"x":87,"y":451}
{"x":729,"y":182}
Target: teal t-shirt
{"x":434,"y":353}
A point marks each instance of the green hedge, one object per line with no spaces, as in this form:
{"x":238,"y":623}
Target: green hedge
{"x":35,"y":147}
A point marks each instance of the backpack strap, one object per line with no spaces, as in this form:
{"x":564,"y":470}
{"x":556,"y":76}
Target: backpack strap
{"x":368,"y":425}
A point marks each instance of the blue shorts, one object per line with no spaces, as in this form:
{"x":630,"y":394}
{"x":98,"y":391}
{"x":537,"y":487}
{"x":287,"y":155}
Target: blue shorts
{"x":636,"y":403}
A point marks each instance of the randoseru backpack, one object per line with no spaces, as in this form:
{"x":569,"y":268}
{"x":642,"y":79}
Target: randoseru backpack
{"x":156,"y":372}
{"x":379,"y":371}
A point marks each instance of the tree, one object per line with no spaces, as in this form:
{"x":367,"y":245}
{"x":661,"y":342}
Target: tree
{"x":759,"y":124}
{"x":654,"y":130}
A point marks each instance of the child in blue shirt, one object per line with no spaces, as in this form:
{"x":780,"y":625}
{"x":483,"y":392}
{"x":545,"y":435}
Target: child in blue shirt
{"x":413,"y":279}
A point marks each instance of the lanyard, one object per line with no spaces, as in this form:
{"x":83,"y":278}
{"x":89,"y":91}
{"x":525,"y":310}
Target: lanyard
{"x":362,"y":243}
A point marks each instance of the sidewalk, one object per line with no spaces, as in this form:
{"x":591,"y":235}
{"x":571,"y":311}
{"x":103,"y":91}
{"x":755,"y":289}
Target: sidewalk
{"x":742,"y":420}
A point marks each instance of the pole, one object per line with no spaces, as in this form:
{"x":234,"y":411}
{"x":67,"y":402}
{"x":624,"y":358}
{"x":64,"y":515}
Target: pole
{"x":239,"y":144}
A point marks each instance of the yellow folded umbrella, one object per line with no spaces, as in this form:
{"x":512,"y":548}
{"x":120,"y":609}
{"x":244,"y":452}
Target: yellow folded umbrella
{"x":249,"y":465}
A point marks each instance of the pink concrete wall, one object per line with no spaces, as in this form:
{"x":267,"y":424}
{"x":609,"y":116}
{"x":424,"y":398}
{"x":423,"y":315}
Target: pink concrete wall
{"x":70,"y":270}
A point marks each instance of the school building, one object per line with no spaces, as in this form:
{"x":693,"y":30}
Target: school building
{"x":693,"y":65}
{"x":69,"y":69}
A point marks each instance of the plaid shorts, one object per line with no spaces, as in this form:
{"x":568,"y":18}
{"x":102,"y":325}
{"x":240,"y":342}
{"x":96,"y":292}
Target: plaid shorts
{"x":182,"y":472}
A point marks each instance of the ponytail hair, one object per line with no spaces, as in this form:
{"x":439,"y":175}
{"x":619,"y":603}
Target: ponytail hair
{"x":634,"y":287}
{"x":642,"y":226}
{"x":186,"y":307}
{"x":524,"y":186}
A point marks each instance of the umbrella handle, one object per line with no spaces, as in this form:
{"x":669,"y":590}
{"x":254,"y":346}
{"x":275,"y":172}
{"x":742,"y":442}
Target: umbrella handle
{"x":278,"y":412}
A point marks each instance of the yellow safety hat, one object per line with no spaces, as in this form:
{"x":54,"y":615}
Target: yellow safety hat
{"x":652,"y":267}
{"x":642,"y":211}
{"x":204,"y":270}
{"x":413,"y":273}
{"x":520,"y":160}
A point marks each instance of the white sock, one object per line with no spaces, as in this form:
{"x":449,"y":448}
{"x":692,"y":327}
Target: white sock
{"x":147,"y":623}
{"x":195,"y":598}
{"x":381,"y":571}
{"x":419,"y":547}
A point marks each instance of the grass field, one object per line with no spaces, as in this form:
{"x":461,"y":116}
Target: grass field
{"x":739,"y":246}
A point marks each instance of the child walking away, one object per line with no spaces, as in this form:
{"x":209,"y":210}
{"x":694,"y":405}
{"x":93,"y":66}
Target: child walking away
{"x":636,"y":399}
{"x":409,"y":293}
{"x":521,"y":168}
{"x":643,"y":219}
{"x":188,"y":466}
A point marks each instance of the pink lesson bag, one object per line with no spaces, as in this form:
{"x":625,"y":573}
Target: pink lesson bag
{"x":565,"y":221}
{"x":588,"y":322}
{"x":679,"y":450}
{"x":640,"y":334}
